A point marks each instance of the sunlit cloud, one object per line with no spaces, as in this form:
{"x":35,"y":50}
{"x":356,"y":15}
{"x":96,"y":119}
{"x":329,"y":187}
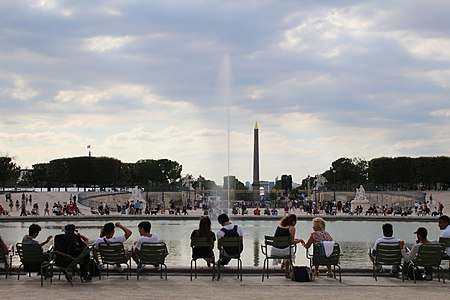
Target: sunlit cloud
{"x":106,"y":43}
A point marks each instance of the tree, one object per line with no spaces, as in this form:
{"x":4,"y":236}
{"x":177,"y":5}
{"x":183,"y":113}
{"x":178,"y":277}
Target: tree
{"x":40,"y":174}
{"x":9,"y":171}
{"x":286,"y":182}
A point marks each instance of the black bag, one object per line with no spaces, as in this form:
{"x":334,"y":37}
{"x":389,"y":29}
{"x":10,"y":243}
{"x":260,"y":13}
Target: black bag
{"x":232,"y":233}
{"x":93,"y":268}
{"x":414,"y":270}
{"x":301,"y":274}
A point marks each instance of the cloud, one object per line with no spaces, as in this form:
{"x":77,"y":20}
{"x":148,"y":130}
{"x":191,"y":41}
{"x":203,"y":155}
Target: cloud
{"x":106,"y":43}
{"x":143,"y":80}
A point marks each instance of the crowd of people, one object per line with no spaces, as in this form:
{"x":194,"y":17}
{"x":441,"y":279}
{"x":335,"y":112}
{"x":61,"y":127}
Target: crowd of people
{"x":72,"y":242}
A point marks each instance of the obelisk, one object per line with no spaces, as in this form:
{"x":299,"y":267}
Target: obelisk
{"x":255,"y":183}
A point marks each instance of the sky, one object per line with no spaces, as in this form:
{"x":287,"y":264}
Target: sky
{"x":187,"y":80}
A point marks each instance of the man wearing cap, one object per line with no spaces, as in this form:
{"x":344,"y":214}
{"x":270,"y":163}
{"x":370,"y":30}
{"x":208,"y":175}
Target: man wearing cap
{"x":422,"y":234}
{"x":72,"y":243}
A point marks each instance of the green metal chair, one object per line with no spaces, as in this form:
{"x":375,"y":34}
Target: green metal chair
{"x":446,"y":243}
{"x":153,"y":254}
{"x":316,"y":259}
{"x":72,"y":268}
{"x":32,"y":259}
{"x":231,"y":242}
{"x":6,"y":259}
{"x":114,"y":254}
{"x":202,"y":242}
{"x":430,"y":255}
{"x":387,"y":254}
{"x":278,"y":242}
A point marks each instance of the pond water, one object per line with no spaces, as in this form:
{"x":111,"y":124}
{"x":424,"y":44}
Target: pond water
{"x":353,"y":236}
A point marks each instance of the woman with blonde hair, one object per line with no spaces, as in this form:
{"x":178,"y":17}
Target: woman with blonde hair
{"x":318,"y":235}
{"x":285,"y":228}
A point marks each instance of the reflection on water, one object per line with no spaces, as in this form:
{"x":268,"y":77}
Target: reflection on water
{"x":353,"y":236}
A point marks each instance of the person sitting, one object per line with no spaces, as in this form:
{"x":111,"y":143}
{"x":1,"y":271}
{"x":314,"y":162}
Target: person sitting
{"x":72,"y":243}
{"x":107,"y":236}
{"x":5,"y":250}
{"x":318,"y":235}
{"x":257,"y":211}
{"x":285,"y":228}
{"x":228,"y":230}
{"x":145,"y":237}
{"x":30,"y":239}
{"x":444,"y":225}
{"x":388,"y":232}
{"x":267,"y":211}
{"x":274,"y":212}
{"x":422,"y":234}
{"x":204,"y":230}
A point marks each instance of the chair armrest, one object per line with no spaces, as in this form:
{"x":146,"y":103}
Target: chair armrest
{"x":264,"y":249}
{"x":11,"y":250}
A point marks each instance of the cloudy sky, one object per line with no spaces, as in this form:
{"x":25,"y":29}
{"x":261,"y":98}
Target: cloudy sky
{"x":139,"y":79}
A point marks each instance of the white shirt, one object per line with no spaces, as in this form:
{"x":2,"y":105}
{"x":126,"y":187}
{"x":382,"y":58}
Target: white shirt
{"x":145,"y":239}
{"x":221,"y":234}
{"x":446,"y":234}
{"x":114,"y":239}
{"x":411,"y":255}
{"x":385,"y":239}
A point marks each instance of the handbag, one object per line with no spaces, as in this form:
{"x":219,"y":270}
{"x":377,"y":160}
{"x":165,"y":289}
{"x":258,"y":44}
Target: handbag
{"x":301,"y":274}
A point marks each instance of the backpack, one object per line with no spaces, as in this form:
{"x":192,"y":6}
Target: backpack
{"x":232,"y":233}
{"x":414,"y":269}
{"x":301,"y":274}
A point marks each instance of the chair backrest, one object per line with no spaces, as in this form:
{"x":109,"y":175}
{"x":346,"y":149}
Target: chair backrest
{"x":445,"y":242}
{"x":388,"y":254}
{"x":30,"y":253}
{"x":232,"y":245}
{"x":153,"y":253}
{"x":333,"y":259}
{"x":429,"y":255}
{"x":278,"y":241}
{"x":201,"y":241}
{"x":3,"y":256}
{"x":112,"y":253}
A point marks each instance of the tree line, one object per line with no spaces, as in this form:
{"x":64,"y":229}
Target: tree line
{"x":100,"y":172}
{"x":164,"y":174}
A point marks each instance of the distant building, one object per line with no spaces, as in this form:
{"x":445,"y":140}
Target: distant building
{"x":271,"y":185}
{"x":248,"y":185}
{"x":232,"y":182}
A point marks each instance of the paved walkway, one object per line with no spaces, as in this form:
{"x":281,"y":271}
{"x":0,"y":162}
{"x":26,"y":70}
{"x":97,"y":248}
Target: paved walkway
{"x":42,"y":197}
{"x":180,"y":287}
